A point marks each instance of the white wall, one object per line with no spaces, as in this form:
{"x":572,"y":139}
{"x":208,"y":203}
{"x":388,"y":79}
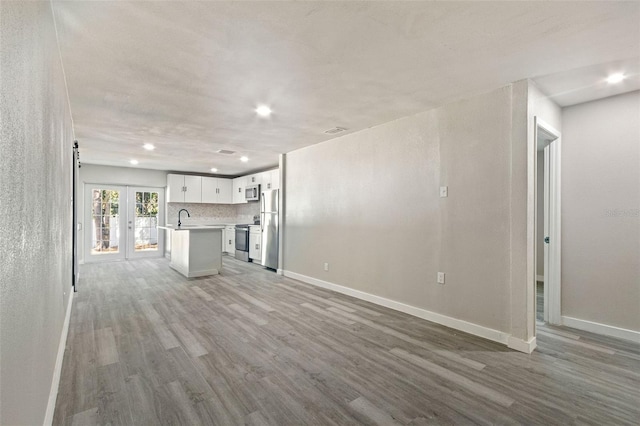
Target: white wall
{"x":601,"y":211}
{"x":539,"y":107}
{"x":368,"y":204}
{"x":36,"y":138}
{"x":93,"y":173}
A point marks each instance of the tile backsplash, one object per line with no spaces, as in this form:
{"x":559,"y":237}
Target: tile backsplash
{"x":212,"y":213}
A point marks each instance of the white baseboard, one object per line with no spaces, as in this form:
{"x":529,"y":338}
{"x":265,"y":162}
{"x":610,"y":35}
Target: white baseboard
{"x":280,"y":271}
{"x":540,"y":278}
{"x":458,"y":324}
{"x":522,"y":345}
{"x":55,"y":383}
{"x":194,"y":274}
{"x":607,"y":330}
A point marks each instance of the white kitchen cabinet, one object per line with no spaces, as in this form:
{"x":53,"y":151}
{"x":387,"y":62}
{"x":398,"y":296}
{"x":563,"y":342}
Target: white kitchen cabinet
{"x":209,"y":190}
{"x":175,"y":188}
{"x":239,"y":184}
{"x":271,"y":179}
{"x":254,"y":179}
{"x":193,"y":189}
{"x":224,"y":240}
{"x":225,"y":191}
{"x":255,"y":250}
{"x":230,"y":240}
{"x":265,"y":180}
{"x":216,"y":190}
{"x":184,"y":189}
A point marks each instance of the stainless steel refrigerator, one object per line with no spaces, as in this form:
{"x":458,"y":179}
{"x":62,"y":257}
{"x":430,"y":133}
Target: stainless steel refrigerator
{"x":269,"y":225}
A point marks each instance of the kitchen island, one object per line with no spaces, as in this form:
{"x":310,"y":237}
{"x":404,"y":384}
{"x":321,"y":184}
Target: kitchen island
{"x":196,"y":250}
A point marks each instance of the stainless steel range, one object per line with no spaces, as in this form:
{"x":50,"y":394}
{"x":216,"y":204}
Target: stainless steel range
{"x":242,"y":242}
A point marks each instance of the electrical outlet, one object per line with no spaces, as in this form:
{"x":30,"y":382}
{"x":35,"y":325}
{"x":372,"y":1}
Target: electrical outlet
{"x":440,"y":277}
{"x":444,"y":191}
{"x":326,"y":266}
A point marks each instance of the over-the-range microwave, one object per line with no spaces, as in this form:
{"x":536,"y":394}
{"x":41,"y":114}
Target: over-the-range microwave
{"x":252,"y":193}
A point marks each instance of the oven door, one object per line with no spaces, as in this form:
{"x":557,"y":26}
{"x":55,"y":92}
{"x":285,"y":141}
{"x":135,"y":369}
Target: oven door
{"x":242,"y":239}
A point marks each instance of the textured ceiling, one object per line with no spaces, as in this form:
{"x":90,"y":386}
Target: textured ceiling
{"x":187,"y":76}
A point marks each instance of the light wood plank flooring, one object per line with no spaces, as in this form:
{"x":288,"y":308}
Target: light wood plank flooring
{"x":147,"y":346}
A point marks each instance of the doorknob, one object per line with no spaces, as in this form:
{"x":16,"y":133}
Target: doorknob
{"x":546,"y":240}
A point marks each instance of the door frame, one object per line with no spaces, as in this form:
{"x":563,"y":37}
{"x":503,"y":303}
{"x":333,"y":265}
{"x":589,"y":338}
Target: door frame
{"x":552,"y":220}
{"x":88,"y":224}
{"x":127,"y":237}
{"x":130,"y":236}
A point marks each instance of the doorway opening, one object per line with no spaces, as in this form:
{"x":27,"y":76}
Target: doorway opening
{"x":548,"y":224}
{"x":121,"y":222}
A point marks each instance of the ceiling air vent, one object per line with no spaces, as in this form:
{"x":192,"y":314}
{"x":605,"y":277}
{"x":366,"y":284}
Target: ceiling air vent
{"x":335,"y":130}
{"x":225,"y":152}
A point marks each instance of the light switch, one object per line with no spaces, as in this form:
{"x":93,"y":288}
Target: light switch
{"x":440,"y":277}
{"x":444,"y":191}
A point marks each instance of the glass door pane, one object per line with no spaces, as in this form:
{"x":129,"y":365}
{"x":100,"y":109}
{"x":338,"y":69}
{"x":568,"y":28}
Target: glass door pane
{"x":104,"y":230}
{"x":146,"y":210}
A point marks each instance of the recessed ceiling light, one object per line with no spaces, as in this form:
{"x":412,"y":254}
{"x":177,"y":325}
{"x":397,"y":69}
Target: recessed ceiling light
{"x":213,"y":169}
{"x":263,"y":111}
{"x":244,"y":159}
{"x":148,"y":147}
{"x":134,"y":162}
{"x":615,"y":78}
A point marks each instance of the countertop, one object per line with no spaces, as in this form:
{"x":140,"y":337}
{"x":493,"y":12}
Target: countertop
{"x":194,"y":227}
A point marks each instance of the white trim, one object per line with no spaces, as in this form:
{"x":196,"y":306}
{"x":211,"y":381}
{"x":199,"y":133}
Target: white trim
{"x":540,"y":278}
{"x":194,"y":274}
{"x":607,"y":330}
{"x":458,"y":324}
{"x":545,"y":230}
{"x":553,"y":251}
{"x":555,"y":233}
{"x":57,"y":371}
{"x":520,"y":345}
{"x":280,"y":271}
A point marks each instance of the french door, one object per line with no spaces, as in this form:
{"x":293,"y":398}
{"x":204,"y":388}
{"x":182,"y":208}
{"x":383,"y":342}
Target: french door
{"x":121,"y":222}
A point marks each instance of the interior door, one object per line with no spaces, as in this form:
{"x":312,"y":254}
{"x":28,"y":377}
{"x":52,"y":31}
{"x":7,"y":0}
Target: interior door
{"x":145,"y":213}
{"x":105,"y":222}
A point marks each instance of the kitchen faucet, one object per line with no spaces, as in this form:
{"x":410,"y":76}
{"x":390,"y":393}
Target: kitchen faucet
{"x":182,"y":210}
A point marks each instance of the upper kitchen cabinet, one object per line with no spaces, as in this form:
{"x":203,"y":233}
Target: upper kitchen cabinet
{"x":239,"y":184}
{"x":265,"y":180}
{"x":255,"y":179}
{"x":225,"y":191}
{"x":216,"y":190}
{"x":184,"y":189}
{"x":275,"y":178}
{"x":269,"y":179}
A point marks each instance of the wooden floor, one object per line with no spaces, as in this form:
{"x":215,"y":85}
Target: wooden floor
{"x":539,"y":301}
{"x":147,"y":346}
